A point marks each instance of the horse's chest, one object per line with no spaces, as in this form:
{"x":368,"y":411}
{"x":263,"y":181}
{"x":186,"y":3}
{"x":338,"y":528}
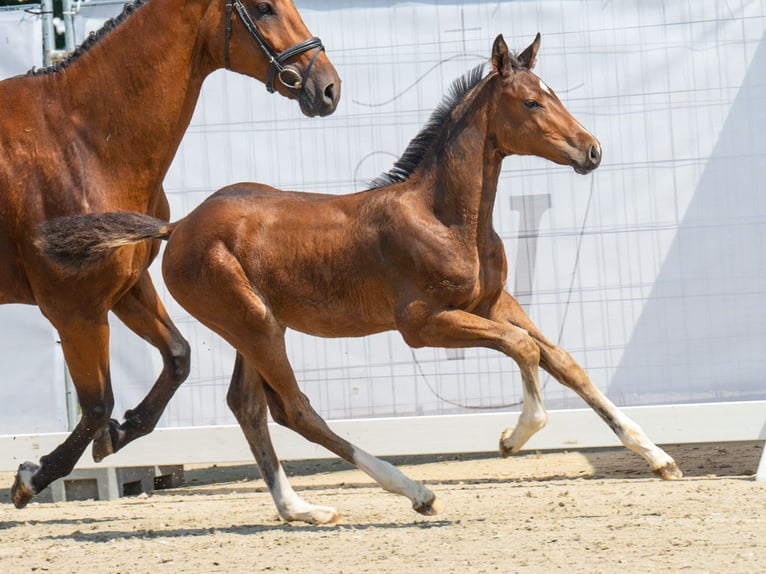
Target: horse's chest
{"x":463,"y":282}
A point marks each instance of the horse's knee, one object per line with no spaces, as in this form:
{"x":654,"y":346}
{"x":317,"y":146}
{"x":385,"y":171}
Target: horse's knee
{"x":526,"y":352}
{"x":279,"y":415}
{"x":180,"y":361}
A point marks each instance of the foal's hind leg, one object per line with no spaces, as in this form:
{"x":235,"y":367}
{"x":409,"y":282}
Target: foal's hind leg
{"x":291,"y":408}
{"x":143,"y":312}
{"x":247,"y":400}
{"x":245,"y":320}
{"x":85,"y":344}
{"x":561,"y":365}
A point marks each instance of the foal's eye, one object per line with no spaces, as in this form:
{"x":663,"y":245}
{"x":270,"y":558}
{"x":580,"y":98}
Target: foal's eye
{"x":532,"y":104}
{"x":264,"y":8}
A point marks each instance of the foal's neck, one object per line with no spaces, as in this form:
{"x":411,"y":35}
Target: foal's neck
{"x":467,"y":168}
{"x":130,"y":96}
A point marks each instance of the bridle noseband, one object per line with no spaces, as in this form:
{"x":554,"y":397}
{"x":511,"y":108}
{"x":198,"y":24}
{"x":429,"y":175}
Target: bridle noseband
{"x":290,"y":78}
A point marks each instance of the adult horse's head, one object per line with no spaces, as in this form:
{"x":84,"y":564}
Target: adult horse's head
{"x":268,"y":40}
{"x":531,"y":120}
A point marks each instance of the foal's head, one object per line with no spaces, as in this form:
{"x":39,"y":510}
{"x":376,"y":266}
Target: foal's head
{"x":529,"y":119}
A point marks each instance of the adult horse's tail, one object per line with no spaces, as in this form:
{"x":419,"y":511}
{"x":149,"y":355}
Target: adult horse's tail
{"x":77,"y":240}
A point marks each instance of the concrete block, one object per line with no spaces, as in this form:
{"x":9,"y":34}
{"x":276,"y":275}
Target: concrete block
{"x":110,"y":483}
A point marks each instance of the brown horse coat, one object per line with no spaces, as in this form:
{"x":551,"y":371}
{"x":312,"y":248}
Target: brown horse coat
{"x":98,"y":133}
{"x":418,"y":253}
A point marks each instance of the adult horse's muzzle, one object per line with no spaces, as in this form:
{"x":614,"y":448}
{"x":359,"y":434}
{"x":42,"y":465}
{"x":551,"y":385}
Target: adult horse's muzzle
{"x":317,"y":91}
{"x":320,"y":93}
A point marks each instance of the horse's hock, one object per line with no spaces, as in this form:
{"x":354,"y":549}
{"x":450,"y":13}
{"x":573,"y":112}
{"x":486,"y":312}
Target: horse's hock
{"x":114,"y":482}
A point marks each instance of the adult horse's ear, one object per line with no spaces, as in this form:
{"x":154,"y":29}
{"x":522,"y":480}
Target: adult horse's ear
{"x":528,"y":58}
{"x":501,"y":58}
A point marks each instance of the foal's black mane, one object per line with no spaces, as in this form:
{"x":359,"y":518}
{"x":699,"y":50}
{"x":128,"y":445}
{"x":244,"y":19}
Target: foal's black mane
{"x":413,"y":154}
{"x":418,"y":146}
{"x":92,"y":38}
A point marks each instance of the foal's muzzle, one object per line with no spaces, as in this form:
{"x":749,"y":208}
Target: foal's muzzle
{"x":592,"y":160}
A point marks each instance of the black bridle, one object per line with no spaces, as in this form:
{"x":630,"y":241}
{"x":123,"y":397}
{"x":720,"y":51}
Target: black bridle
{"x":289,"y":77}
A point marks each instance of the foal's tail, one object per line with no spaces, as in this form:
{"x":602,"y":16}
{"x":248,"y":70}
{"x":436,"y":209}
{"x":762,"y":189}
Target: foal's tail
{"x":78,"y":240}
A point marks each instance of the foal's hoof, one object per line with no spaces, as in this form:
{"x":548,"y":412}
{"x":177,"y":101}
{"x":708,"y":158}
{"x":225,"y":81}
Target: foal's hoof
{"x":22,"y":490}
{"x":668,"y":472}
{"x":313,"y":514}
{"x":430,"y":508}
{"x":506,"y":451}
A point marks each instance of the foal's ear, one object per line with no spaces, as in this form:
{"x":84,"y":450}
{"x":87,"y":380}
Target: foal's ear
{"x":528,"y":58}
{"x":501,"y":58}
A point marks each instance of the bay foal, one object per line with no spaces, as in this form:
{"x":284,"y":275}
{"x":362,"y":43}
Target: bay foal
{"x":417,"y":253}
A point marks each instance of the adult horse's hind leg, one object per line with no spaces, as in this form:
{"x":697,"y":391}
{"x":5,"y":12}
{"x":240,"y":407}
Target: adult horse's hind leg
{"x":85,"y":345}
{"x":143,"y":312}
{"x":247,"y":400}
{"x":560,"y":364}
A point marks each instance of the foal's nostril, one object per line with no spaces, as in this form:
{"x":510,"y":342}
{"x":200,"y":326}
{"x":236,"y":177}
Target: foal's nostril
{"x":594,"y":154}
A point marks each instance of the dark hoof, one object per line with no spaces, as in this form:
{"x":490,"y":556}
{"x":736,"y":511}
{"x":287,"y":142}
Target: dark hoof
{"x":105,"y":443}
{"x":668,"y":472}
{"x":22,"y":490}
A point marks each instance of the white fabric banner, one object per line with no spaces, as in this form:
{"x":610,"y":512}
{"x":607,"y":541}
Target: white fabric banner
{"x":650,"y":271}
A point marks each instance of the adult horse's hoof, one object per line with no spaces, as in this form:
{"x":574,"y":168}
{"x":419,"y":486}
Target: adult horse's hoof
{"x":430,"y":508}
{"x":104,"y":442}
{"x":22,"y":490}
{"x":668,"y":472}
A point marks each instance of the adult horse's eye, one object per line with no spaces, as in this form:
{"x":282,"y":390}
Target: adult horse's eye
{"x":265,"y":8}
{"x":532,"y":104}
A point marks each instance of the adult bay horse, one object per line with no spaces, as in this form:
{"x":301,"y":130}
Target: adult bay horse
{"x":417,"y":253}
{"x":97,"y":132}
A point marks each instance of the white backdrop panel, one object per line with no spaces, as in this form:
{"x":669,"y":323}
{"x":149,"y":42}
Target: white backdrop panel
{"x":21,"y":41}
{"x":649,"y":271}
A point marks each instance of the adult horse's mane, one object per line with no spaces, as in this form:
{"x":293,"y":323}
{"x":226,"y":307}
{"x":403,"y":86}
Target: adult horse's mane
{"x":92,"y":38}
{"x":416,"y":149}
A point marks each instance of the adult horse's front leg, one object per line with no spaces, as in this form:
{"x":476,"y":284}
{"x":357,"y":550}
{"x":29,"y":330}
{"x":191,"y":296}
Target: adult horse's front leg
{"x":247,"y":400}
{"x":142,"y":311}
{"x":563,"y":367}
{"x":85,"y":344}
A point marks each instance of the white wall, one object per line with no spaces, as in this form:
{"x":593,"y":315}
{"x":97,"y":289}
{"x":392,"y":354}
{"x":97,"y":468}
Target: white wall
{"x":649,"y":271}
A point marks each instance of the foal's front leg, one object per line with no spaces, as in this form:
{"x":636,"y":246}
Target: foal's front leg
{"x":453,"y":328}
{"x":560,"y":364}
{"x":247,"y":400}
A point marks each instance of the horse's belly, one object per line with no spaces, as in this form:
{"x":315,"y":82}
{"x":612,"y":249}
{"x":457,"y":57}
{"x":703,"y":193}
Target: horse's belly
{"x":334,"y":318}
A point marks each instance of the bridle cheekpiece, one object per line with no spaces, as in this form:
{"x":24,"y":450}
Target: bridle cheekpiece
{"x":289,"y":77}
